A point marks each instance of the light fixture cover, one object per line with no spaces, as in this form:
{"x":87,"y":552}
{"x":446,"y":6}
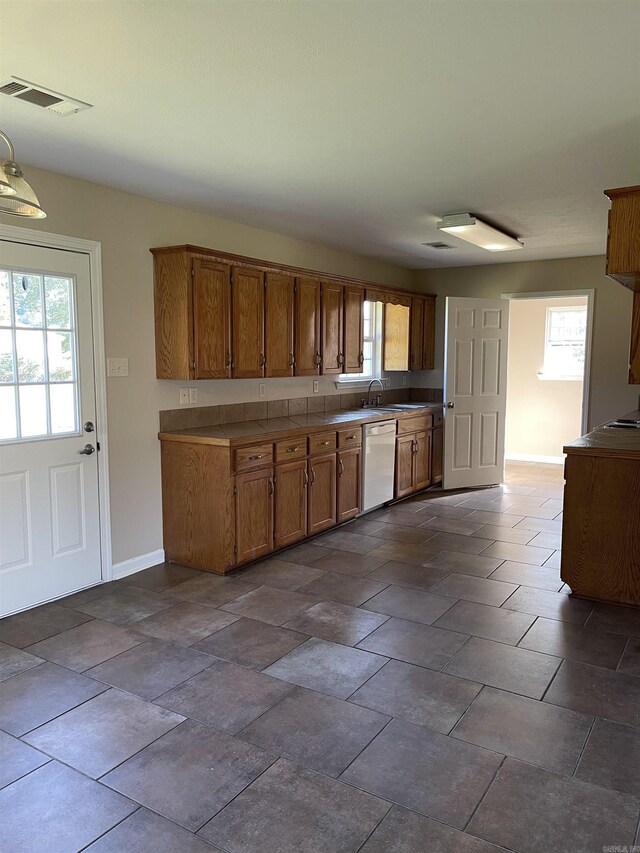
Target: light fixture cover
{"x":475,"y":231}
{"x":23,"y":202}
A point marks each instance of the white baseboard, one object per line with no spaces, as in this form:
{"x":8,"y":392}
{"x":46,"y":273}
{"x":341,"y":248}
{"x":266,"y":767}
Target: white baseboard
{"x":137,"y":564}
{"x":527,"y":457}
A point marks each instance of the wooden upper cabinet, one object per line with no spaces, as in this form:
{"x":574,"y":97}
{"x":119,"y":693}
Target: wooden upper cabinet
{"x":254,"y":514}
{"x":429,"y":333}
{"x":396,"y":337}
{"x":278,"y":303}
{"x":332,"y":328}
{"x":211,"y":338}
{"x":353,"y":329}
{"x":247,"y":311}
{"x":307,"y":327}
{"x":623,"y":239}
{"x":417,"y":332}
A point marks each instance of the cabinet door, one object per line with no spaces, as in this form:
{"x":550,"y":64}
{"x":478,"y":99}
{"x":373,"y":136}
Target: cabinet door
{"x":422,"y":460}
{"x":211,"y":320}
{"x":396,"y":337}
{"x":353,"y":329}
{"x":254,"y":514}
{"x":436,"y":455}
{"x":279,"y":325}
{"x":306,"y":331}
{"x":429,"y":336}
{"x":349,"y":462}
{"x":417,"y":331}
{"x":322,"y":493}
{"x":331,"y":328}
{"x":248,"y":323}
{"x":290,"y":503}
{"x":404,"y":465}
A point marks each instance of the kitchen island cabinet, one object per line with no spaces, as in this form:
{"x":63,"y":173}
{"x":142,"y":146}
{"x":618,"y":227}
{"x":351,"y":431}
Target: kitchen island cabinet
{"x":601,"y":519}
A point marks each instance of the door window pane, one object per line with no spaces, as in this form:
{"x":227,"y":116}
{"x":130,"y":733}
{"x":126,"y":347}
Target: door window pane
{"x":6,"y":356}
{"x":62,"y":407}
{"x":27,"y":299}
{"x":5,"y":299}
{"x":33,"y":410}
{"x":58,"y":302}
{"x":30,"y":350}
{"x":8,"y":426}
{"x":60,"y":356}
{"x":38,"y":372}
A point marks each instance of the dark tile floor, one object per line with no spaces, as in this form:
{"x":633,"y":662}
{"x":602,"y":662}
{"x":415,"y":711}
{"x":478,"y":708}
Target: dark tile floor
{"x":420,"y":681}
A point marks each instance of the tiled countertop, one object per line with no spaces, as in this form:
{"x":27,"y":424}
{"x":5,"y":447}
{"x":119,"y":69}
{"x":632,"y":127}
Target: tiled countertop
{"x":609,"y":441}
{"x":274,"y":428}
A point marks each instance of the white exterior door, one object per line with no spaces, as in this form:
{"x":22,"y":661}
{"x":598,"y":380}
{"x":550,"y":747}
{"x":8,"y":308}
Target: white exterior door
{"x":49,"y":508}
{"x":475,"y":391}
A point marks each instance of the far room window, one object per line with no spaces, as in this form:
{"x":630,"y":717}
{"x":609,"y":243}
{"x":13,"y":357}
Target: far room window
{"x":565,"y":342}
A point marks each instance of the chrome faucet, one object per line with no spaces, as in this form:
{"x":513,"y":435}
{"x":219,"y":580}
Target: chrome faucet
{"x":378,"y":396}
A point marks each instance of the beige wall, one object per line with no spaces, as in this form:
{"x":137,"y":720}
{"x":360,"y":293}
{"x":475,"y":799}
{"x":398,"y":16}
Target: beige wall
{"x":542,"y":415}
{"x":609,"y":393}
{"x":128,"y":226}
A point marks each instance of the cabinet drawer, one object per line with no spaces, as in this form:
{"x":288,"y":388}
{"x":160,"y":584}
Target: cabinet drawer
{"x":350,"y":438}
{"x":416,"y":424}
{"x":322,"y":442}
{"x":291,"y":449}
{"x":248,"y":458}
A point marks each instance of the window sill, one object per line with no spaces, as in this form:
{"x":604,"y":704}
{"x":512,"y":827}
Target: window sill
{"x":555,"y":377}
{"x":360,"y":382}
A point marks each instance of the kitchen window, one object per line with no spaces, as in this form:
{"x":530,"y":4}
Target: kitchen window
{"x":565,"y":341}
{"x":371,"y":348}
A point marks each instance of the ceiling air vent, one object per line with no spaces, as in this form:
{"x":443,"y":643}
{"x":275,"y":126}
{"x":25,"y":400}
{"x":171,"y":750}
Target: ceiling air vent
{"x":438,"y":245}
{"x":42,"y":97}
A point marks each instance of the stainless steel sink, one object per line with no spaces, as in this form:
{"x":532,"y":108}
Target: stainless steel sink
{"x":395,"y":407}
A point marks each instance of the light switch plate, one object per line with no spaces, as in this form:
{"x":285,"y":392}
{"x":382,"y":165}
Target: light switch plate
{"x":117,"y":367}
{"x":315,"y":386}
{"x":262,"y":389}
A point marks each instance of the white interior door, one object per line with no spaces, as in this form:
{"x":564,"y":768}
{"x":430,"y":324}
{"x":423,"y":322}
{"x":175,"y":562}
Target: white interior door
{"x":475,"y":392}
{"x":49,"y":509}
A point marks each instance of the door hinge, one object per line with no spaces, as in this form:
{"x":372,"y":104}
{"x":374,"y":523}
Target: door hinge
{"x":97,"y":445}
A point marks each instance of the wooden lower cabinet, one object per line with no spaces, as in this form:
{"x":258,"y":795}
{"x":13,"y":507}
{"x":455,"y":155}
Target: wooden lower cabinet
{"x":349,"y":483}
{"x":404,"y":465}
{"x":254,"y":514}
{"x":290,"y":520}
{"x":437,"y":449}
{"x":413,"y":462}
{"x":322,"y":493}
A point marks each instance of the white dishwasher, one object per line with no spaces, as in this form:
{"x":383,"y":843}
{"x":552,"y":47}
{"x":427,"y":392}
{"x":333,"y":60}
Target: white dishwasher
{"x":378,"y":466}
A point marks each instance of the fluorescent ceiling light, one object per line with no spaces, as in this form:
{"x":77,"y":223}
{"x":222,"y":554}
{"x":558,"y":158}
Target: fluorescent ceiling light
{"x":475,"y":231}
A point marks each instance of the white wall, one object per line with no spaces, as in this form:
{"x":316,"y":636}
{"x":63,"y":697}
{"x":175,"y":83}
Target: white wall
{"x":128,"y":226}
{"x":609,"y":394}
{"x":542,"y":414}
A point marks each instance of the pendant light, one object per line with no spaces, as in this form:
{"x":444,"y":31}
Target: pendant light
{"x":16,"y":196}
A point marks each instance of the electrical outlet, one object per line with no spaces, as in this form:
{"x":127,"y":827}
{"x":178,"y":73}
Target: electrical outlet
{"x":193,"y":395}
{"x":184,"y":396}
{"x":262,"y":388}
{"x":117,"y":367}
{"x":316,"y":386}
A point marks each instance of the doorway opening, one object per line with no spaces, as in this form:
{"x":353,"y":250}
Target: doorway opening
{"x":547,"y":374}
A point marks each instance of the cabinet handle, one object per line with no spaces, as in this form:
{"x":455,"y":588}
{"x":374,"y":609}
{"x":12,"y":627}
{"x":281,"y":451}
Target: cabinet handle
{"x":259,"y":456}
{"x":361,"y":358}
{"x":323,"y":443}
{"x":263,"y":360}
{"x":292,"y":361}
{"x":270,"y":485}
{"x":293,"y":449}
{"x":340,"y":359}
{"x":341,"y":468}
{"x":318,"y":360}
{"x":349,"y":438}
{"x":306,"y":478}
{"x":228,"y":364}
{"x":313,"y":476}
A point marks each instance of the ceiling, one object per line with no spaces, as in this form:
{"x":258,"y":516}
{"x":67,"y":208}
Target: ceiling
{"x":353,"y":123}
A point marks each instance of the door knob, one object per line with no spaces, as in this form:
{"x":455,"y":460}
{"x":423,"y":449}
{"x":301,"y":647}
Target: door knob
{"x":450,"y":405}
{"x":87,"y":450}
{"x":88,"y":426}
